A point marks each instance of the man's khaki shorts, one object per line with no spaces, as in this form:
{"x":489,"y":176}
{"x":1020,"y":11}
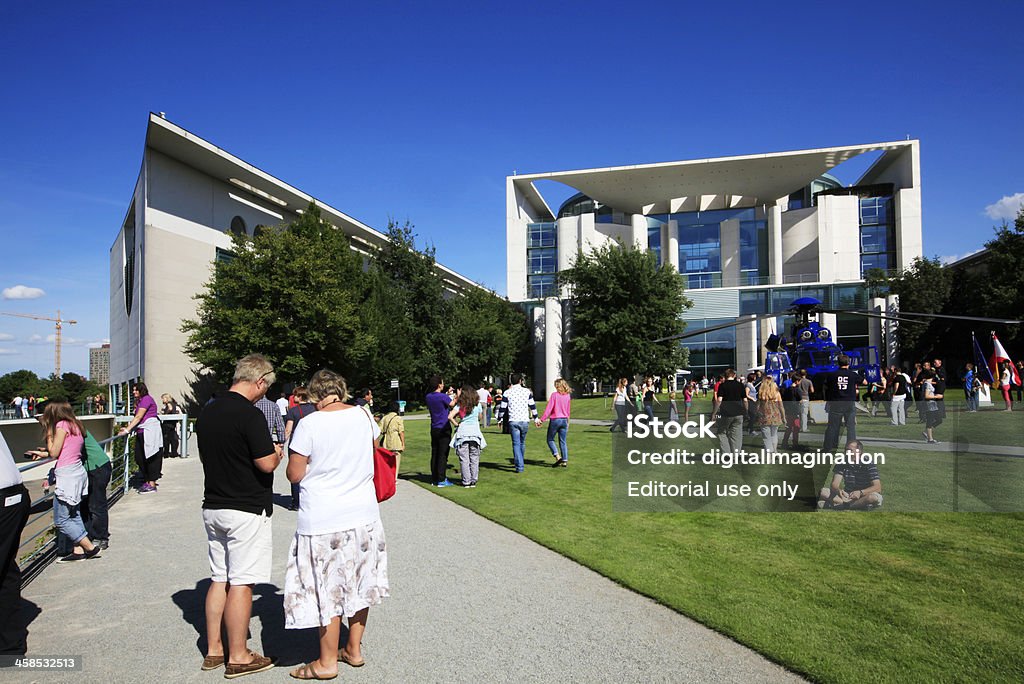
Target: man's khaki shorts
{"x":240,"y":546}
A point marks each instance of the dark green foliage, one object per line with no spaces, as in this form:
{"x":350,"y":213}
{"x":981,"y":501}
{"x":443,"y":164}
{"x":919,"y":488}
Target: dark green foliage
{"x":923,"y":288}
{"x":621,"y":301}
{"x":1002,"y":287}
{"x":18,"y":383}
{"x":304,"y":298}
{"x":294,"y":295}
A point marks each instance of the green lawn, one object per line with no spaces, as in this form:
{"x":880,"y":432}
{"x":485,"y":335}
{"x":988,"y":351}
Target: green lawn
{"x":905,"y":597}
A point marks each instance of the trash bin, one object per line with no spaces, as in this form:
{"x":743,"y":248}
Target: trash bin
{"x":401,"y":408}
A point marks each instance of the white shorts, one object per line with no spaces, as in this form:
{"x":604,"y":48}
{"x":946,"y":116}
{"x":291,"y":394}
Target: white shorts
{"x":240,"y":546}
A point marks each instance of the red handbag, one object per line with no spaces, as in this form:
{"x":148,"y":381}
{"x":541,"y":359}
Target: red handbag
{"x":385,"y":469}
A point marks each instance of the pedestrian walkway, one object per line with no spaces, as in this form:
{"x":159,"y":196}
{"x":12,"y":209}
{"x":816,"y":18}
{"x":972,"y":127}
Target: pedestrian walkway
{"x":471,"y":602}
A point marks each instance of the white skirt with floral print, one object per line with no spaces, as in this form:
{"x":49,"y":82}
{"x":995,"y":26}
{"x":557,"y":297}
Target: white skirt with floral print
{"x":337,"y":574}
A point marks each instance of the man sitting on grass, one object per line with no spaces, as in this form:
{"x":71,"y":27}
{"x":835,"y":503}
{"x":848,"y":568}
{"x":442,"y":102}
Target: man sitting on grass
{"x":854,"y":486}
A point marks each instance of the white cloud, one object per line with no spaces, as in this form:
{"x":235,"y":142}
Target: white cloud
{"x":38,"y":339}
{"x":7,"y":352}
{"x":1006,"y":208}
{"x":957,"y":257}
{"x":6,"y":336}
{"x":23,"y":292}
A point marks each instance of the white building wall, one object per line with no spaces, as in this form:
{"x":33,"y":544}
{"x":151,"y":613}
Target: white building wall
{"x":838,"y":238}
{"x":730,"y":246}
{"x":909,"y":243}
{"x":639,"y":224}
{"x":516,"y":219}
{"x":800,"y":245}
{"x":125,"y":329}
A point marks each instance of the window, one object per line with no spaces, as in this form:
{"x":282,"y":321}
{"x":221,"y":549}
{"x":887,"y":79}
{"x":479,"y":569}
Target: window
{"x":711,"y":353}
{"x":540,"y":286}
{"x":129,"y":259}
{"x":877,"y":235}
{"x":542,"y":260}
{"x":541,"y":235}
{"x":753,"y":302}
{"x":654,"y":225}
{"x":238,"y":226}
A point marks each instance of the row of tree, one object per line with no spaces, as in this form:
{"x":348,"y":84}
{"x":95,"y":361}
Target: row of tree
{"x":305,"y":298}
{"x":993,"y":289}
{"x":68,"y":387}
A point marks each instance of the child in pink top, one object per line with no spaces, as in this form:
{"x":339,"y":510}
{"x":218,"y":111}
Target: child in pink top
{"x":557,"y":414}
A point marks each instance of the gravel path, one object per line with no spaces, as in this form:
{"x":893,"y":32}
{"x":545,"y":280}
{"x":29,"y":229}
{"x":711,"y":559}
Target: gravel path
{"x":471,"y":602}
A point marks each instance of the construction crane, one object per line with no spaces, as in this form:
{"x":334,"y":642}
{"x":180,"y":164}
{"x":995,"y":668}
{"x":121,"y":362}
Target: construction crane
{"x":56,"y":342}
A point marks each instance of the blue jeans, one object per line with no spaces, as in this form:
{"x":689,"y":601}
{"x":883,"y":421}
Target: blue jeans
{"x":559,"y":426}
{"x":972,"y":400}
{"x":519,"y":428}
{"x":68,"y":520}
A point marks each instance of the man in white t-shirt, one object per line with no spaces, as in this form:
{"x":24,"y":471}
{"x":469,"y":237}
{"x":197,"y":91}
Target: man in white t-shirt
{"x":14,"y":505}
{"x":484,"y":395}
{"x":282,"y":405}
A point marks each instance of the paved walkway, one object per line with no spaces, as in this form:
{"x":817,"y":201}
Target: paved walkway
{"x":471,"y":602}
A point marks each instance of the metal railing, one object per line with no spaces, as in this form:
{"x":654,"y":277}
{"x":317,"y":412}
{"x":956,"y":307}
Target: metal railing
{"x":45,"y":540}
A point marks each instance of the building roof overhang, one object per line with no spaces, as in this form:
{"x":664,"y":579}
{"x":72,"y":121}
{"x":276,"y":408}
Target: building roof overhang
{"x":703,"y":184}
{"x":176,"y":142}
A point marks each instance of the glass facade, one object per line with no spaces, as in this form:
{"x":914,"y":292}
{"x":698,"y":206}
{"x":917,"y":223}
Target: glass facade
{"x":654,"y":237}
{"x":711,"y":353}
{"x":778,"y":299}
{"x":877,"y":234}
{"x":541,"y":259}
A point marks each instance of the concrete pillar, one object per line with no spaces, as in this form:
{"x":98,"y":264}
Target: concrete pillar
{"x":552,"y":344}
{"x":876,"y":328}
{"x":828,"y":320}
{"x":892,"y":343}
{"x":775,"y":244}
{"x":672,"y":245}
{"x":568,"y":241}
{"x":639,"y":223}
{"x":538,"y":321}
{"x":730,"y":249}
{"x":746,"y":346}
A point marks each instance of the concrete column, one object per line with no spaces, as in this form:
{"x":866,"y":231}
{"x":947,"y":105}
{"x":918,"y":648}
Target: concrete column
{"x":775,"y":244}
{"x":552,"y":344}
{"x":730,"y":248}
{"x":568,"y":241}
{"x":876,"y":328}
{"x":639,"y":223}
{"x":539,"y":328}
{"x":746,"y":346}
{"x":829,"y":321}
{"x":672,"y":245}
{"x":892,"y":343}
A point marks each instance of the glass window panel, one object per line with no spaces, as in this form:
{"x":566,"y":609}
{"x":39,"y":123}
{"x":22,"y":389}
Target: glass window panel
{"x":541,"y":286}
{"x":543,"y":260}
{"x":753,"y":302}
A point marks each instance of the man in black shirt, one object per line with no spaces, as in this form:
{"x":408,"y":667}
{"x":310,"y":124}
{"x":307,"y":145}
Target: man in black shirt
{"x":731,"y":401}
{"x":841,"y":403}
{"x":239,"y":459}
{"x":854,"y":485}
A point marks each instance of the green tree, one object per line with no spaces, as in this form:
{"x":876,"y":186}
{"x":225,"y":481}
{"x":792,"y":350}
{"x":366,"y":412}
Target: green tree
{"x":999,"y":291}
{"x":18,"y":383}
{"x":621,"y":302}
{"x":411,"y":313}
{"x":490,"y":334}
{"x":294,"y":294}
{"x":925,"y":287}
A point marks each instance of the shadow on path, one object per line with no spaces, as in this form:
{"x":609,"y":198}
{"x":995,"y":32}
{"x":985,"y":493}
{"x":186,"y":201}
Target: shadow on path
{"x":289,"y":646}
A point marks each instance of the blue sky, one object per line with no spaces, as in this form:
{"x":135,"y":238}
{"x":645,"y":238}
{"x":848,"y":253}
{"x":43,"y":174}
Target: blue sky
{"x":420,"y":111}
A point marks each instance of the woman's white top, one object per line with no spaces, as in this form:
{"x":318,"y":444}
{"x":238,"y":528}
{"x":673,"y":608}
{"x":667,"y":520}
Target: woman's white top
{"x":621,"y":395}
{"x":336,"y":493}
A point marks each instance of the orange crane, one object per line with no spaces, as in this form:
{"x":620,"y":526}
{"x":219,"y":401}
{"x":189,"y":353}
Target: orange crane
{"x":56,"y":346}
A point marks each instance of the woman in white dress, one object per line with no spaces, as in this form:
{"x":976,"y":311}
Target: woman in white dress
{"x":337,"y":564}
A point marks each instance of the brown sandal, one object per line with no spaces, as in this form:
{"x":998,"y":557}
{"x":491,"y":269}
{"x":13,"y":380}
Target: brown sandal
{"x":307,"y":671}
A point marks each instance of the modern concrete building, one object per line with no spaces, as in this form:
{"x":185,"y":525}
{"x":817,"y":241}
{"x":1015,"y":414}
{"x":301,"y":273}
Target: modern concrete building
{"x":99,"y":364}
{"x":749,"y":233}
{"x":189,"y":196}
